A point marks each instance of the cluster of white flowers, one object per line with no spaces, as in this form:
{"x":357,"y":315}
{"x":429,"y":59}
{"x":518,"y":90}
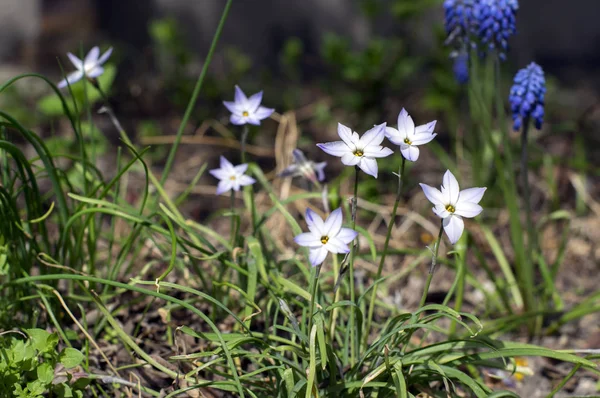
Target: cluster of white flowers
{"x":450,"y":203}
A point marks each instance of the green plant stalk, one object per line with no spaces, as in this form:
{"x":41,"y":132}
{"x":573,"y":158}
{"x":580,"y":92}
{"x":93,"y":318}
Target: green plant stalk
{"x":384,"y":254}
{"x":432,"y":267}
{"x":195,"y":93}
{"x":336,"y":297}
{"x":92,"y":233}
{"x":314,"y":286}
{"x":233,"y":232}
{"x":524,"y":264}
{"x":353,"y":338}
{"x":243,"y":142}
{"x":532,"y":242}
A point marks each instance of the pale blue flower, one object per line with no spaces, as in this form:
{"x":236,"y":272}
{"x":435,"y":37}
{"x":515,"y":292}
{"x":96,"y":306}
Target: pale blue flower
{"x":231,"y":177}
{"x":325,"y":236}
{"x":90,"y":67}
{"x":302,"y":167}
{"x":359,"y":151}
{"x":451,"y":204}
{"x":409,"y":137}
{"x":246,"y":110}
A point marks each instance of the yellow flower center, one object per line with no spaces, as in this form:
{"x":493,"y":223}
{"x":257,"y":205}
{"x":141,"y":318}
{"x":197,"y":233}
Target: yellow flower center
{"x":232,"y":178}
{"x":359,"y":153}
{"x":450,"y":208}
{"x":407,"y":141}
{"x":324,"y":239}
{"x":245,"y":114}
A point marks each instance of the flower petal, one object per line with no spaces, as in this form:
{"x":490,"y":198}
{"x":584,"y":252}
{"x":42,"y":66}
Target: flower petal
{"x":347,"y":235}
{"x":241,"y":168}
{"x":409,"y":152}
{"x":92,"y":57}
{"x":333,"y":223}
{"x":453,"y":226}
{"x":441,"y":212}
{"x":224,"y":186}
{"x":251,"y":119}
{"x":317,"y":256}
{"x":237,"y":119}
{"x":95,"y":72}
{"x":406,"y":126}
{"x":336,"y":246}
{"x":373,"y":136}
{"x":467,"y":209}
{"x":240,"y":97}
{"x":314,"y":222}
{"x":369,"y":166}
{"x":346,"y":135}
{"x":225,"y":164}
{"x":308,"y":239}
{"x":420,"y":139}
{"x":350,"y":159}
{"x":75,"y":61}
{"x":336,"y":148}
{"x":450,"y":188}
{"x":319,"y":169}
{"x":220,"y":174}
{"x":433,"y":195}
{"x":472,"y":195}
{"x":233,"y":107}
{"x":394,"y":135}
{"x":254,"y":101}
{"x":245,"y":180}
{"x":425,"y":128}
{"x":105,"y":56}
{"x":72,"y":78}
{"x":263,"y":113}
{"x":375,"y":151}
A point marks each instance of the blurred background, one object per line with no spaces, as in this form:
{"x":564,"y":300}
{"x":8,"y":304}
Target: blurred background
{"x":35,"y":31}
{"x":359,"y":57}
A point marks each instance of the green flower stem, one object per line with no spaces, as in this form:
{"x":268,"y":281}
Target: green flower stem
{"x":243,"y":142}
{"x":195,"y":93}
{"x":353,"y":340}
{"x":233,"y":232}
{"x":524,"y":260}
{"x":532,"y":241}
{"x":433,"y":264}
{"x":336,"y":297}
{"x":314,"y":286}
{"x":384,"y":254}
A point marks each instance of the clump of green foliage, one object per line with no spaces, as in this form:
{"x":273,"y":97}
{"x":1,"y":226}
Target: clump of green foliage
{"x":34,"y":367}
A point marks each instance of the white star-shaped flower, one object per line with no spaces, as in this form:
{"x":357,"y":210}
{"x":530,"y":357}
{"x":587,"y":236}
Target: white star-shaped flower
{"x":325,"y":236}
{"x":90,"y":67}
{"x":451,"y":204}
{"x":359,"y":151}
{"x":247,"y":110}
{"x":231,"y":177}
{"x":408,"y":136}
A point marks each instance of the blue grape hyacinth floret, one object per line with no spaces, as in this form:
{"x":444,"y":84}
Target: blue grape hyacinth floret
{"x":461,"y":67}
{"x":496,"y":24}
{"x":527,"y":96}
{"x":460,"y":21}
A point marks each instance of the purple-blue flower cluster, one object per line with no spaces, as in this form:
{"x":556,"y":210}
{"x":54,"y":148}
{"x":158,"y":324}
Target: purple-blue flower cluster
{"x":485,"y":25}
{"x":527,"y":96}
{"x":496,"y":24}
{"x":460,"y":21}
